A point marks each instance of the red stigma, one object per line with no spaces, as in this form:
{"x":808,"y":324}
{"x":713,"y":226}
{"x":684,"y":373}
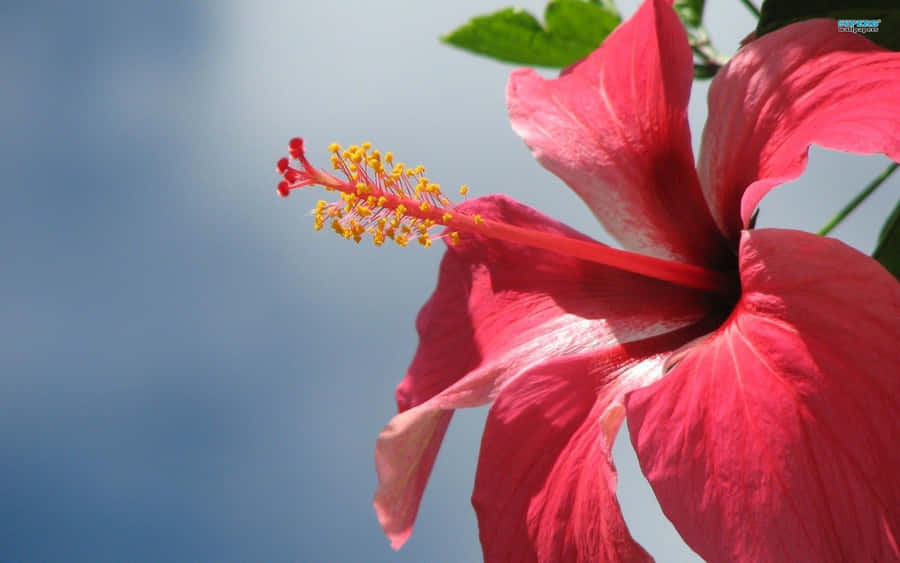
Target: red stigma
{"x":293,"y":178}
{"x":295,"y":147}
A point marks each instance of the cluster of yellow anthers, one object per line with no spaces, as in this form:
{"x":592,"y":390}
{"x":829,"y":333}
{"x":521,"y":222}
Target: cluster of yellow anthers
{"x":382,"y":198}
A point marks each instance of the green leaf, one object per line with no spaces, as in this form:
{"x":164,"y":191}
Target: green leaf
{"x":705,"y":71}
{"x":779,"y":13}
{"x":888,"y":250}
{"x":573,"y":29}
{"x":690,"y":12}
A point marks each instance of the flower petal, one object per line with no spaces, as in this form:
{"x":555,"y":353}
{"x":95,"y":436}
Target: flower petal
{"x":546,"y":484}
{"x":498,"y":310}
{"x":614,"y":128}
{"x":776,"y":439}
{"x":805,"y":83}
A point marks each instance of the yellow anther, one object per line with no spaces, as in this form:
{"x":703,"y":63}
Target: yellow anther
{"x":454,"y":238}
{"x":383,"y":199}
{"x":477,"y":218}
{"x":463,"y":190}
{"x":356,"y":230}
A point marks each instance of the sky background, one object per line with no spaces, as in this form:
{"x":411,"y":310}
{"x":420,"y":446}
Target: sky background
{"x":187,"y":370}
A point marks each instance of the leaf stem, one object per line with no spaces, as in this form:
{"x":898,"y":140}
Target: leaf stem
{"x":711,"y":59}
{"x":854,"y":203}
{"x":752,"y":7}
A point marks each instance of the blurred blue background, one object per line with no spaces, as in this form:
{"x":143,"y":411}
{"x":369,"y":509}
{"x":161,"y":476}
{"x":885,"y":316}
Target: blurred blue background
{"x":187,"y":370}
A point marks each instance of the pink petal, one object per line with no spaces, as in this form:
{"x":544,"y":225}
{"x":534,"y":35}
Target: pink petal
{"x":806,"y":83}
{"x":614,"y":128}
{"x":500,"y":309}
{"x":546,"y":483}
{"x":776,"y":439}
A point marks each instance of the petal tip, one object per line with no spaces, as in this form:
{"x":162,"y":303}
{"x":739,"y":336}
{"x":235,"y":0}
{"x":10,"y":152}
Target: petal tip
{"x":397,"y":537}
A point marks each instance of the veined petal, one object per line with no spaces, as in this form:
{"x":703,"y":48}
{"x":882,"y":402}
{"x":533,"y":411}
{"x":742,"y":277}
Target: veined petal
{"x":805,"y":83}
{"x":500,"y":309}
{"x":546,"y":484}
{"x":776,"y":439}
{"x":614,"y":128}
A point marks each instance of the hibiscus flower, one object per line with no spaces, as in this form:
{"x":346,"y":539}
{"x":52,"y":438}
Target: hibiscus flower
{"x":759,"y":369}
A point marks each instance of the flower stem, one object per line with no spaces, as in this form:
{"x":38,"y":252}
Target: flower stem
{"x":854,"y":203}
{"x":711,"y":59}
{"x":750,"y":6}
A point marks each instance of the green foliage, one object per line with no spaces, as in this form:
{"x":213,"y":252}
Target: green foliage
{"x":705,"y":71}
{"x":779,"y":13}
{"x":573,"y":28}
{"x":888,"y":250}
{"x":690,"y":12}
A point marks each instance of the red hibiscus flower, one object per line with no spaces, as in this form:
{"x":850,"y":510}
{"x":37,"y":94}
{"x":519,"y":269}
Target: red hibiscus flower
{"x":759,"y":369}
